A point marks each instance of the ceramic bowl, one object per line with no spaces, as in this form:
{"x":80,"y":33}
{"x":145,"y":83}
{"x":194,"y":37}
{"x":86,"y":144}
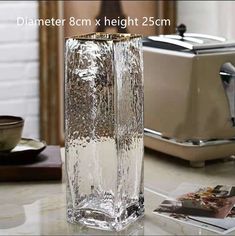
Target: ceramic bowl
{"x":10,"y":132}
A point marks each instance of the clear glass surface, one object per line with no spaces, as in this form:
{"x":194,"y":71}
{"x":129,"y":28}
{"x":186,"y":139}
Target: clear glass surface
{"x":104,"y":130}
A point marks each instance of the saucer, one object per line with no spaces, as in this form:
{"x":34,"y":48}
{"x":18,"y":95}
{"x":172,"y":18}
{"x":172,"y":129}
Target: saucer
{"x":25,"y":148}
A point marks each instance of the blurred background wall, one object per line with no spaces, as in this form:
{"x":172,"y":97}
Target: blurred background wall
{"x":19,"y":62}
{"x":91,"y":9}
{"x":208,"y":17}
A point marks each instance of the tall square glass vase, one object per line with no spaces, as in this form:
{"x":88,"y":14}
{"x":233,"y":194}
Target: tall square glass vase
{"x":104,"y":130}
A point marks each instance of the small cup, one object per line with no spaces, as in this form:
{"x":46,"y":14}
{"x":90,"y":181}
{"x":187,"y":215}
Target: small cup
{"x":11,"y":128}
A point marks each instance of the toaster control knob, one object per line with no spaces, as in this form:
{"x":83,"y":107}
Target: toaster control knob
{"x":181,"y":29}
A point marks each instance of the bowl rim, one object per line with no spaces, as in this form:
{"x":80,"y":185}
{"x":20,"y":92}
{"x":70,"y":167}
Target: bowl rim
{"x":13,"y":120}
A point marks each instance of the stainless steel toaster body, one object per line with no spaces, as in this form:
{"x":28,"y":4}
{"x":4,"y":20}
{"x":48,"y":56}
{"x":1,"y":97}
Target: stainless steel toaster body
{"x":184,"y":94}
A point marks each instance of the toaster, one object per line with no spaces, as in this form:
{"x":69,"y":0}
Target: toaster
{"x":190,"y":96}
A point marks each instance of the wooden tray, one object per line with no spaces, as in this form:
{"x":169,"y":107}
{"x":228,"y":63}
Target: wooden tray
{"x":45,"y":166}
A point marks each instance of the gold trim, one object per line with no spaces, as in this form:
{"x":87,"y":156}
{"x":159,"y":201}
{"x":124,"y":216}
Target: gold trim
{"x":102,"y":36}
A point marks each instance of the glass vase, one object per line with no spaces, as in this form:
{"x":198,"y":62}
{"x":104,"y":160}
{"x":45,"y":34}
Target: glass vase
{"x":104,"y":130}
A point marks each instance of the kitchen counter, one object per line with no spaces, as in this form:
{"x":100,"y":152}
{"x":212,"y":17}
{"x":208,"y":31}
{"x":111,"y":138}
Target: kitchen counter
{"x":39,"y":208}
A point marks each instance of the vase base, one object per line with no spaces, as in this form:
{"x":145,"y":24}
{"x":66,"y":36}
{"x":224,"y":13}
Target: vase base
{"x":99,"y":220}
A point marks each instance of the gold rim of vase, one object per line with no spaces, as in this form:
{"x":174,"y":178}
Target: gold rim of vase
{"x":102,"y":36}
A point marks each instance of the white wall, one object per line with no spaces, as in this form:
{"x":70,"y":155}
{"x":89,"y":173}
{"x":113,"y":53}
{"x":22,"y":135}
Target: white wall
{"x":208,"y":17}
{"x":19,"y":62}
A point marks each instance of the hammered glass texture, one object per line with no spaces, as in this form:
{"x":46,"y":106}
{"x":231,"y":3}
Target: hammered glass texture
{"x":104,"y":131}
